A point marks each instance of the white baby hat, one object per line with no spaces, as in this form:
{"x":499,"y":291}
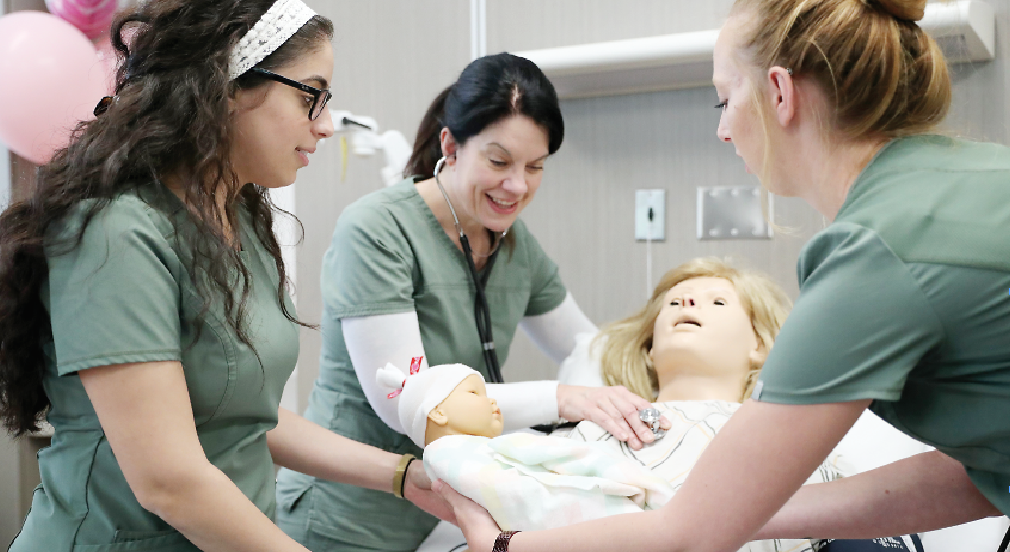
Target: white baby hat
{"x":420,"y":392}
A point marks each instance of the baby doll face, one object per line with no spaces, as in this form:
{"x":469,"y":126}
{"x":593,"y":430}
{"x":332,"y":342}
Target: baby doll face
{"x":468,"y":410}
{"x":703,"y":320}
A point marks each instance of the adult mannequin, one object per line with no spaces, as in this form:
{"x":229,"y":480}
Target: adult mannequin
{"x":703,"y":334}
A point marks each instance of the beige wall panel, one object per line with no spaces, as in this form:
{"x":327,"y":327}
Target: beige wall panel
{"x":19,"y":5}
{"x":515,"y":25}
{"x":391,"y":58}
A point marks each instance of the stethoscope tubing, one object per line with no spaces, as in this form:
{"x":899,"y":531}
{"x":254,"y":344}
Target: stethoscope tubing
{"x":482,"y":313}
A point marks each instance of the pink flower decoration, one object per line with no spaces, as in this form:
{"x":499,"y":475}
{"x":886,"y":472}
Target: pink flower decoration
{"x":92,"y":17}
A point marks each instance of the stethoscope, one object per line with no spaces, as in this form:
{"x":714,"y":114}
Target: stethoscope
{"x":481,"y":312}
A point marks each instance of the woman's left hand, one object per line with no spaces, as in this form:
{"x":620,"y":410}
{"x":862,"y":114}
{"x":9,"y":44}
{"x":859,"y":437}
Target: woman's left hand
{"x":477,"y":525}
{"x":418,"y":489}
{"x":615,"y":409}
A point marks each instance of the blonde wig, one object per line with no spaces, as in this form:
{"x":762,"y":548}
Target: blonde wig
{"x":624,"y":345}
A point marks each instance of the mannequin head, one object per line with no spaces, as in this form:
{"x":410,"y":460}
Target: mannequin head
{"x":706,"y":322}
{"x":449,"y":399}
{"x":466,"y":411}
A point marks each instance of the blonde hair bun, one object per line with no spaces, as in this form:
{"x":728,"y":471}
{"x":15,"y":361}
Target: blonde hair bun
{"x":909,"y":10}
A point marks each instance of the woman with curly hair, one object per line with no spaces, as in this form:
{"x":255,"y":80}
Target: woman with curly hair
{"x":143,"y":308}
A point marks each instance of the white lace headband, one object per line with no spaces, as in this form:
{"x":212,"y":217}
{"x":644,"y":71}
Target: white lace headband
{"x":274,"y":28}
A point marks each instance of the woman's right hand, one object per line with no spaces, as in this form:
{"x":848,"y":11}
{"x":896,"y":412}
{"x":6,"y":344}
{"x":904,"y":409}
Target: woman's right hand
{"x":478,"y":526}
{"x":417,"y":489}
{"x":615,"y":409}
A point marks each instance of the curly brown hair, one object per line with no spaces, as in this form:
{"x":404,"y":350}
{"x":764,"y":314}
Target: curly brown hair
{"x":171,"y":117}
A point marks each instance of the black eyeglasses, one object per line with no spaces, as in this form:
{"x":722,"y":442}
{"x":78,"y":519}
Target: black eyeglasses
{"x":319,"y":97}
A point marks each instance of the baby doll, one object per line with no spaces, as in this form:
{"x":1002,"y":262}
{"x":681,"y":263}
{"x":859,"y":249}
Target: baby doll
{"x":526,"y":481}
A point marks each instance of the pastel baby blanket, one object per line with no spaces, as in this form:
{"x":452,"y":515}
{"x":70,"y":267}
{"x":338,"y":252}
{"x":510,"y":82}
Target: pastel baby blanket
{"x":529,"y":482}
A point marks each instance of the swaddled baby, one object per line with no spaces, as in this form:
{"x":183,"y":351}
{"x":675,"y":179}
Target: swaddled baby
{"x":525,"y":481}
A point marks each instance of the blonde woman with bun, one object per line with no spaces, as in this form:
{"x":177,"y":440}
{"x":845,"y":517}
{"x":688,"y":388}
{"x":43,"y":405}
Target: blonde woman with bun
{"x":903,"y":302}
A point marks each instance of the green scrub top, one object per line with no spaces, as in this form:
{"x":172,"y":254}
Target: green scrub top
{"x":390,"y":255}
{"x":905,"y":299}
{"x":123,"y":296}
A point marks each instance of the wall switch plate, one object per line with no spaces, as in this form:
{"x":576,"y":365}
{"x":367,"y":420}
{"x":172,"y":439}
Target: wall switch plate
{"x":654,"y":229}
{"x":733,"y":213}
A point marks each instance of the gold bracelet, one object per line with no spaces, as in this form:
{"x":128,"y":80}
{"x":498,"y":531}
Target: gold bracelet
{"x":400,"y":474}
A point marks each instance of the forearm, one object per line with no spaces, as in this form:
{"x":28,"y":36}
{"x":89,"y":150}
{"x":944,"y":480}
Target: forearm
{"x":303,"y":446}
{"x":527,"y":403}
{"x":652,"y":530}
{"x":646,"y":531}
{"x":205,"y":506}
{"x":924,"y":492}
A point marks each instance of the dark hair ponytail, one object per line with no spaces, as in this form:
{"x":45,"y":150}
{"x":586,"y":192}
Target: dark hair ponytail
{"x":488,"y":90}
{"x":427,"y":147}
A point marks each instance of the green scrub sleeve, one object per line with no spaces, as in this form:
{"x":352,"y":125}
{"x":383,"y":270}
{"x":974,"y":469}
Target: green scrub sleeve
{"x":860,"y":325}
{"x":368,"y":269}
{"x":114,"y":299}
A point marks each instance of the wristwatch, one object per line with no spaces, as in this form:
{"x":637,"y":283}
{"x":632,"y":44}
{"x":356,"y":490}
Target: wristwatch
{"x":501,"y":544}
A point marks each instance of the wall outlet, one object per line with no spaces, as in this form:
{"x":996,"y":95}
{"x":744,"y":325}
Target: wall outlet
{"x":650,"y":227}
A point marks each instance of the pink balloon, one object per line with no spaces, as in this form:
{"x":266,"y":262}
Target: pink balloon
{"x":50,"y":79}
{"x":92,"y":17}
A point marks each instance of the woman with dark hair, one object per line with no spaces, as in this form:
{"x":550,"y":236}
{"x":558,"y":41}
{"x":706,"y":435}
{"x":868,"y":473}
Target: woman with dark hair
{"x":408,"y":270}
{"x":143,"y":308}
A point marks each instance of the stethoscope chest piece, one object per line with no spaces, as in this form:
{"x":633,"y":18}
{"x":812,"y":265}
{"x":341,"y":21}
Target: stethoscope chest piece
{"x":651,"y":418}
